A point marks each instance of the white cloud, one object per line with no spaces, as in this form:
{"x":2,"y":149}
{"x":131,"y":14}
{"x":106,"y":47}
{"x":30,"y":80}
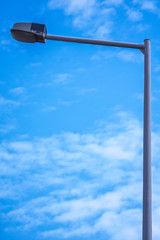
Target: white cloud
{"x":113,"y":2}
{"x":157,"y":68}
{"x":140,"y":96}
{"x":5,"y":42}
{"x":86,"y":91}
{"x":18,"y":90}
{"x":49,"y":109}
{"x":125,"y":55}
{"x":74,"y":7}
{"x":4,"y":101}
{"x":65,"y":102}
{"x":20,"y":146}
{"x":35,"y":64}
{"x":134,"y":15}
{"x":79,"y":184}
{"x":141,"y":27}
{"x":102,"y":31}
{"x":124,"y":226}
{"x":130,"y":56}
{"x":90,"y":16}
{"x":6,"y":128}
{"x":96,"y":18}
{"x":62,"y":78}
{"x":83,"y":6}
{"x":149,"y":5}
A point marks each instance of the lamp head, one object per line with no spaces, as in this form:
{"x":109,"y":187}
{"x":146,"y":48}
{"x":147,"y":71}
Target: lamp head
{"x":29,"y":32}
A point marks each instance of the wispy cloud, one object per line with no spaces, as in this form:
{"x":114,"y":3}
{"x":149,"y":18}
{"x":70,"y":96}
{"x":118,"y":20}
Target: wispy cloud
{"x":49,"y":109}
{"x":5,"y":42}
{"x":83,"y":8}
{"x":113,"y":2}
{"x":18,"y":90}
{"x":150,"y":6}
{"x":141,"y":27}
{"x":66,"y":102}
{"x":102,"y":30}
{"x":4,"y":101}
{"x":86,"y":90}
{"x":6,"y":128}
{"x":140,"y":96}
{"x":130,"y":56}
{"x":58,"y":79}
{"x":83,"y":184}
{"x":157,"y":68}
{"x":90,"y":16}
{"x":133,"y":14}
{"x":62,"y":78}
{"x":125,"y":55}
{"x":35,"y":64}
{"x":84,"y":14}
{"x":147,"y":5}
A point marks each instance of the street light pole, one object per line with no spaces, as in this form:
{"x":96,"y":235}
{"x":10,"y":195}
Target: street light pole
{"x":147,"y":181}
{"x":34,"y":32}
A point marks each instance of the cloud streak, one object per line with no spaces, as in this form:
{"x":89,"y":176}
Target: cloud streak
{"x":4,"y":101}
{"x":78,"y":184}
{"x":84,"y":15}
{"x":125,"y":55}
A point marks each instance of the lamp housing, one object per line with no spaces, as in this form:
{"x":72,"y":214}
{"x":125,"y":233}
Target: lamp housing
{"x":29,"y":32}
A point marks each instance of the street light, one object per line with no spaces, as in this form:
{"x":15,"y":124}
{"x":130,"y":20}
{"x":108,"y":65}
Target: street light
{"x":33,"y":32}
{"x":29,"y":32}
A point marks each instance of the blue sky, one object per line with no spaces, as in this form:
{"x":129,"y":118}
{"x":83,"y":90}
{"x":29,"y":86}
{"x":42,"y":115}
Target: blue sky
{"x":71,"y":122}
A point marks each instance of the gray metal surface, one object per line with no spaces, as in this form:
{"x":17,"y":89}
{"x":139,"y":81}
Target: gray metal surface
{"x":147,"y":179}
{"x":96,"y":42}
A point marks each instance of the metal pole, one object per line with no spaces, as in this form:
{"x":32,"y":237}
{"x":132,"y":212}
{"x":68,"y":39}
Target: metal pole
{"x":96,"y":42}
{"x":147,"y":181}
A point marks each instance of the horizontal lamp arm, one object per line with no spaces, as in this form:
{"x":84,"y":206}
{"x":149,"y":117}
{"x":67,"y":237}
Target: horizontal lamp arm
{"x":95,"y":42}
